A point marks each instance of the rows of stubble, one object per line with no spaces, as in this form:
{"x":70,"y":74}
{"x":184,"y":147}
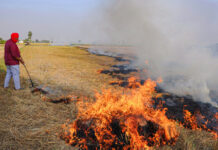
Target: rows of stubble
{"x":28,"y":122}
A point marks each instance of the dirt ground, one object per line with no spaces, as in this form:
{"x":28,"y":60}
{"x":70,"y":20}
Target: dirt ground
{"x":28,"y":122}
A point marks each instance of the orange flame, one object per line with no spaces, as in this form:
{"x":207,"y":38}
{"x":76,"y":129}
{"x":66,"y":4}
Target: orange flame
{"x":216,"y":116}
{"x":116,"y":82}
{"x":190,"y":121}
{"x":132,"y":111}
{"x":100,"y":71}
{"x":159,"y":80}
{"x":133,"y":83}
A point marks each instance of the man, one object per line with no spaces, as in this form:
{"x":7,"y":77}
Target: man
{"x":12,"y":60}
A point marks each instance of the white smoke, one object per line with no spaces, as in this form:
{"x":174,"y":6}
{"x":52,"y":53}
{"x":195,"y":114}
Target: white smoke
{"x":173,"y":35}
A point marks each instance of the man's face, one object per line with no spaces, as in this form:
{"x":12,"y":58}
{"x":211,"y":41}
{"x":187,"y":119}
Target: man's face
{"x":17,"y":39}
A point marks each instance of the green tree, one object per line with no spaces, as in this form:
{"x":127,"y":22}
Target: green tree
{"x":2,"y":41}
{"x":30,"y":35}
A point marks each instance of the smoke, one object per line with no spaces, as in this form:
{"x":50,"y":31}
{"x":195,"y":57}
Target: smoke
{"x":175,"y":36}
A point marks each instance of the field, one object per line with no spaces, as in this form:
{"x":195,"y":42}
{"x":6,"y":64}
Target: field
{"x":29,"y":122}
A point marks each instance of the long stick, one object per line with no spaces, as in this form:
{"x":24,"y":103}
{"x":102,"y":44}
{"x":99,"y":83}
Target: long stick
{"x":29,"y":75}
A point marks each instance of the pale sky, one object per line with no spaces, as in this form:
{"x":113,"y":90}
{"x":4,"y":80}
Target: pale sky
{"x":66,"y":20}
{"x":47,"y":19}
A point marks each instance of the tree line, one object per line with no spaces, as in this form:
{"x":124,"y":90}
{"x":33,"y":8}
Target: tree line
{"x":2,"y":41}
{"x":28,"y":39}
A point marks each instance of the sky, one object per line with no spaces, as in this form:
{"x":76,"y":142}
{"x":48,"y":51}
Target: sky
{"x":48,"y":19}
{"x":73,"y":20}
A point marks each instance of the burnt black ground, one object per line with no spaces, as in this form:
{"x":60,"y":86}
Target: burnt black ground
{"x":174,"y":103}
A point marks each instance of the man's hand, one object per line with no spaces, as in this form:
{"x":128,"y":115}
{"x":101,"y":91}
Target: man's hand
{"x":20,"y":59}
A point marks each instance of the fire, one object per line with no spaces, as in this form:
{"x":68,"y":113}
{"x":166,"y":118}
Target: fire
{"x":100,"y":71}
{"x":216,"y":116}
{"x":122,"y":119}
{"x":133,"y":83}
{"x":191,"y":122}
{"x":159,"y":80}
{"x":116,"y":82}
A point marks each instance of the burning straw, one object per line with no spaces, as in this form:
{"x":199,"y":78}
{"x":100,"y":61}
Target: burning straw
{"x":122,"y":119}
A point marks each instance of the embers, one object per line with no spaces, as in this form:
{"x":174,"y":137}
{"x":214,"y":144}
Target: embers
{"x":86,"y":137}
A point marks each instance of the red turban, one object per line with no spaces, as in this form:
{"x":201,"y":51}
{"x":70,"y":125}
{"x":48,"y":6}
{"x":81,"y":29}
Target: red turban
{"x":14,"y":37}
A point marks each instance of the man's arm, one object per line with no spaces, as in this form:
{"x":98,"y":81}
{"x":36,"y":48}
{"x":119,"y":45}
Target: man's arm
{"x":16,"y":53}
{"x":20,"y":59}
